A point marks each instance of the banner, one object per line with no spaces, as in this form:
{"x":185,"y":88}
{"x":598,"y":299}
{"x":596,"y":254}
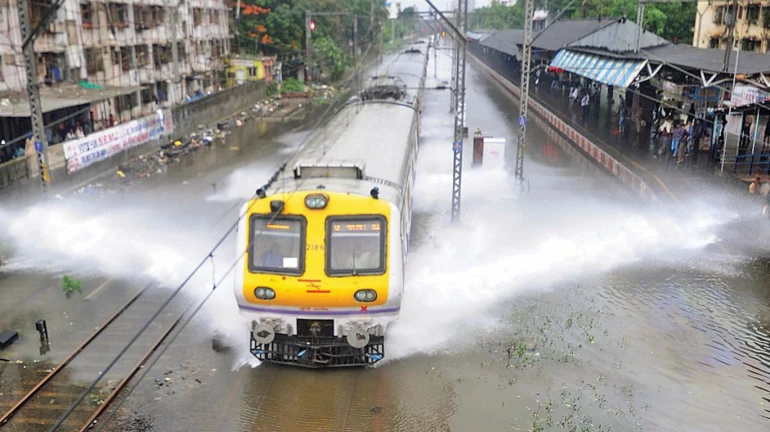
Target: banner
{"x":101,"y":145}
{"x":743,"y":95}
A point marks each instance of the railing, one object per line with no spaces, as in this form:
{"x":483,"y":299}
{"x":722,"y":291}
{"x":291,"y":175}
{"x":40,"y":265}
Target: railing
{"x":13,"y":171}
{"x":757,"y":163}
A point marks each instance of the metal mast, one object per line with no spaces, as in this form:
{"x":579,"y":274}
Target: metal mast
{"x":28,"y":36}
{"x":453,"y":82}
{"x":461,"y":44}
{"x":524,"y":99}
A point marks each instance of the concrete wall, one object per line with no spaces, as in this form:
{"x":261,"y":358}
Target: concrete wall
{"x":216,"y":107}
{"x":550,"y":121}
{"x":187,"y":117}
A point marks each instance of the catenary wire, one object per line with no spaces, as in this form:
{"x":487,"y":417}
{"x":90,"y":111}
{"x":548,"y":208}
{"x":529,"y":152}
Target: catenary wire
{"x":184,"y":283}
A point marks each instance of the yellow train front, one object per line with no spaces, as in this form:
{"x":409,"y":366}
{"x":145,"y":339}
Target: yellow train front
{"x":326,"y":240}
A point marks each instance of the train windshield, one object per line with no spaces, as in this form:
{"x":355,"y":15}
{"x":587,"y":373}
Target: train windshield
{"x":356,"y":246}
{"x":276,"y":244}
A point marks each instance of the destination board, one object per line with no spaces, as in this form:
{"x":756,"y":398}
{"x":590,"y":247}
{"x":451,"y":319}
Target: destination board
{"x":356,"y":227}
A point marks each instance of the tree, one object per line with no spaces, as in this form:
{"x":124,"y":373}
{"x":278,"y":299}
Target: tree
{"x":330,"y":57}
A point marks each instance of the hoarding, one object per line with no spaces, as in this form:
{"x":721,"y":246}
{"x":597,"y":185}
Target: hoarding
{"x":98,"y":146}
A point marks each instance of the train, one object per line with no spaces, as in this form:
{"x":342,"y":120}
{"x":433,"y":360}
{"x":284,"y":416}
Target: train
{"x":324,"y":243}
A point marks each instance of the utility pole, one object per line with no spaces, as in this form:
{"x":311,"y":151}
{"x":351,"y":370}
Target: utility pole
{"x":174,"y":52}
{"x":461,"y":45}
{"x":524,"y":97}
{"x":435,"y":55}
{"x":28,"y":36}
{"x":453,"y":82}
{"x":529,"y":11}
{"x":307,"y":45}
{"x":731,"y":35}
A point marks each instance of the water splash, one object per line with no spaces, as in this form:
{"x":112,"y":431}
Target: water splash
{"x":510,"y":244}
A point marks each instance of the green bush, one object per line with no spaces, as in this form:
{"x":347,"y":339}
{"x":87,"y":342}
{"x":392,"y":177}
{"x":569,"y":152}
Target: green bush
{"x":70,"y":286}
{"x":272,"y":89}
{"x":292,"y":85}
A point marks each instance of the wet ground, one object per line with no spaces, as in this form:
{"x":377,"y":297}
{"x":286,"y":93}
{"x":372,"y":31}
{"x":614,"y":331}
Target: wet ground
{"x":563,"y":305}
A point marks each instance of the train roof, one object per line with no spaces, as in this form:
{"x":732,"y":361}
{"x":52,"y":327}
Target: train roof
{"x":368,"y":139}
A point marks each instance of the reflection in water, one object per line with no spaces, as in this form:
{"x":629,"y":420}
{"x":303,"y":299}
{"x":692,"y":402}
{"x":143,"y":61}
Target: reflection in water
{"x":709,"y":357}
{"x":399,"y":398}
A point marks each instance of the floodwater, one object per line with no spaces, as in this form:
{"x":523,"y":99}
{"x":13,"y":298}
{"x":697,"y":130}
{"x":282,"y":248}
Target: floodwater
{"x":565,"y":304}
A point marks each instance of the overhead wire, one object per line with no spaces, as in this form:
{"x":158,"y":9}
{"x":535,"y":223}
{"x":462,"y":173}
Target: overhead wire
{"x":190,"y":276}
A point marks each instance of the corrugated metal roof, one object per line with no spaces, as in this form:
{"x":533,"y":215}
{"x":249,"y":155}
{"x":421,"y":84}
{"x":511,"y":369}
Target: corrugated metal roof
{"x":562,"y":33}
{"x":58,"y":97}
{"x":709,"y":60}
{"x":505,"y":41}
{"x":615,"y":38}
{"x":557,"y":36}
{"x":619,"y":37}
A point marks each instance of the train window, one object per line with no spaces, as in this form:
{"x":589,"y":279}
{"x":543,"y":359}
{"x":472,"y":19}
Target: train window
{"x":277,"y":245}
{"x":355,"y":245}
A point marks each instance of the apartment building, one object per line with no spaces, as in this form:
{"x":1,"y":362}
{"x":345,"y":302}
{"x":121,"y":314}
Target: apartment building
{"x":123,"y":49}
{"x":752,"y":24}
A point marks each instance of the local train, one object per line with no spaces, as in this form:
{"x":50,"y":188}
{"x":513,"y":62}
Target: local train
{"x":326,"y":240}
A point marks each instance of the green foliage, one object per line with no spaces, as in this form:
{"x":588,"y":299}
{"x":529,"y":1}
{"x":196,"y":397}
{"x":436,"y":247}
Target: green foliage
{"x":292,"y":85}
{"x":70,"y":286}
{"x":271,"y":90}
{"x":278,"y":26}
{"x":672,"y":21}
{"x":330,"y":57}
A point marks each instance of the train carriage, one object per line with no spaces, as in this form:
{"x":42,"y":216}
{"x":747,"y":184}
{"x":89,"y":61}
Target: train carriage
{"x":326,"y":240}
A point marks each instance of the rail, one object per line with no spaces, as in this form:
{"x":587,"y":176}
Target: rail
{"x":30,"y":413}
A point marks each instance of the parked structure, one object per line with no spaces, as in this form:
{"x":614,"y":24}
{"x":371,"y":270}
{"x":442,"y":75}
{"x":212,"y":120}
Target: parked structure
{"x":103,"y":63}
{"x":686,"y":81}
{"x":240,"y":69}
{"x":712,"y":25}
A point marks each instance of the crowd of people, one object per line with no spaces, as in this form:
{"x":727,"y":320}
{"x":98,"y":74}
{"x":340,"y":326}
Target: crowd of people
{"x":64,"y":131}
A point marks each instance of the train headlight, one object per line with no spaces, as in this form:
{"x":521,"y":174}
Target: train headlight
{"x":264,"y":293}
{"x":316,"y":201}
{"x":365,"y":295}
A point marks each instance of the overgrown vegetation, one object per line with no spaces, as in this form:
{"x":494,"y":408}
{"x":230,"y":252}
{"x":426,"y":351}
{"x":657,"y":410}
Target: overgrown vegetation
{"x":292,"y":85}
{"x":271,"y":90}
{"x":71,"y":286}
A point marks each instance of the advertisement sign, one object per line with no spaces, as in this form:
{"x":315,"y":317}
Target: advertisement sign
{"x":494,"y":152}
{"x":709,"y":95}
{"x":101,"y":145}
{"x":743,"y":95}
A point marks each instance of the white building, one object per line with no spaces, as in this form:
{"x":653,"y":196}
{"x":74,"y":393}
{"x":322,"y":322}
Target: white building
{"x":752,"y":22}
{"x":124,"y":46}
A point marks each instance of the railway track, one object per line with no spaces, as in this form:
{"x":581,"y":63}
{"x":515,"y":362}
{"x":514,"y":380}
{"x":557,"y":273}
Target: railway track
{"x":41,"y":407}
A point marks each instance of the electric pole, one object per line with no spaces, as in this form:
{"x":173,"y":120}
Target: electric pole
{"x":524,"y":97}
{"x":453,"y":81}
{"x":174,"y":52}
{"x":28,"y":36}
{"x":731,"y":34}
{"x":461,"y":45}
{"x":307,"y":45}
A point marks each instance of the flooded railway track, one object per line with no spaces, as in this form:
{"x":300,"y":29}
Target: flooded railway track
{"x":58,"y":393}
